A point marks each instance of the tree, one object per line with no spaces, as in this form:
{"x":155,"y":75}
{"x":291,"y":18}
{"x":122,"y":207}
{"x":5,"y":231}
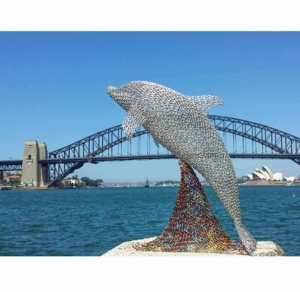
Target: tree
{"x":90,"y":182}
{"x":85,"y":179}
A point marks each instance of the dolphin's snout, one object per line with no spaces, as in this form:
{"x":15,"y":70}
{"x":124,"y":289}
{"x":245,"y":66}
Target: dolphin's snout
{"x":119,"y":96}
{"x":110,"y":89}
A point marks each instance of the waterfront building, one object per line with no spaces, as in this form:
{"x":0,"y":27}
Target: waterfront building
{"x":290,"y":178}
{"x":266,"y":174}
{"x":68,"y":182}
{"x":13,"y":178}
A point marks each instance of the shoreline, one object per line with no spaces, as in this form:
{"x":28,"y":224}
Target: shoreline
{"x":240,"y":185}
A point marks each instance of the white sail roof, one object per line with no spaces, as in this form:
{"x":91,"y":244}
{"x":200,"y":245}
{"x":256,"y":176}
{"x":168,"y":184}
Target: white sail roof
{"x":250,"y":176}
{"x":277,"y":176}
{"x":289,"y":178}
{"x":258,"y":174}
{"x":266,"y":174}
{"x":268,"y":171}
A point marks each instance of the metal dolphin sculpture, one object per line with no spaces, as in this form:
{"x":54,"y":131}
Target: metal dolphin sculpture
{"x":181,"y":125}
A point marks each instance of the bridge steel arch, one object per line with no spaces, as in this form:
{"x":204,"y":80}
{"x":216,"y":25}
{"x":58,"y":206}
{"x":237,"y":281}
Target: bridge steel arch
{"x":277,"y":140}
{"x":105,"y":141}
{"x":89,"y":147}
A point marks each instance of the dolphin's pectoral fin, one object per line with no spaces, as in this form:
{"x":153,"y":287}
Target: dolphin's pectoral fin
{"x":155,"y":141}
{"x":133,"y":119}
{"x":129,"y":124}
{"x":205,"y":102}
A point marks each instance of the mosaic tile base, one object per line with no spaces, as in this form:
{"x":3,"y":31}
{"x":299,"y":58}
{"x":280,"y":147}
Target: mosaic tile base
{"x":193,"y":226}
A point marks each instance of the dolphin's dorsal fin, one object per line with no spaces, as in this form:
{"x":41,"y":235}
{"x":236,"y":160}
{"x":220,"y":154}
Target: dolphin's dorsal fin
{"x":205,"y":102}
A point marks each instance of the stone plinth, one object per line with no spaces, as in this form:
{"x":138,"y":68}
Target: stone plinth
{"x":264,"y":248}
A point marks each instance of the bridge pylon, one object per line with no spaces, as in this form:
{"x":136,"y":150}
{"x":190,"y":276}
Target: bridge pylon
{"x":34,"y":174}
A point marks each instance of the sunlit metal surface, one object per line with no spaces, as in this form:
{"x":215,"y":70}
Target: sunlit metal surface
{"x":180,"y":124}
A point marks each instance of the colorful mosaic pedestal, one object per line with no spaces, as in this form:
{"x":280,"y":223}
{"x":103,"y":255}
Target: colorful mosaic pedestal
{"x":193,"y":226}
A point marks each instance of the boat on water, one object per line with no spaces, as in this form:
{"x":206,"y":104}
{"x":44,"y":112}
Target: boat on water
{"x":290,"y":184}
{"x":5,"y":188}
{"x":147,"y":184}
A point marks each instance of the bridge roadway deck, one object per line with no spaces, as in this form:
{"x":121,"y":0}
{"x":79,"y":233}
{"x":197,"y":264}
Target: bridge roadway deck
{"x":145,"y":157}
{"x":163,"y":156}
{"x":11,"y":162}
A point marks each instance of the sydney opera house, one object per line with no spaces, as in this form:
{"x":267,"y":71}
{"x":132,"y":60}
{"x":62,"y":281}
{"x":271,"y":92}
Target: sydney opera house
{"x":265,"y":174}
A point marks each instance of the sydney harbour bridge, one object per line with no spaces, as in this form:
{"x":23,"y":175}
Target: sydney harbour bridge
{"x":243,"y":139}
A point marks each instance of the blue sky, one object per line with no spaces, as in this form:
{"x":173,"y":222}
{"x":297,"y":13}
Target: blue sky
{"x":53,"y":86}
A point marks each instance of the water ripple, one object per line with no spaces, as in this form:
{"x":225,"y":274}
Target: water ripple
{"x":92,"y":221}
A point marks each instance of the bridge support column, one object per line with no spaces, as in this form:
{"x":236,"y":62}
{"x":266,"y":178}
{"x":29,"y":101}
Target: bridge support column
{"x":34,"y":174}
{"x":1,"y":176}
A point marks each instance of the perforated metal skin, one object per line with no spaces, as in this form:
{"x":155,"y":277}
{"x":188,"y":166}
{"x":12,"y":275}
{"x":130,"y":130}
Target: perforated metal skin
{"x":180,"y":124}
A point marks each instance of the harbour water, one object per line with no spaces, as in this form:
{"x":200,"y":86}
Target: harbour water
{"x":89,"y":222}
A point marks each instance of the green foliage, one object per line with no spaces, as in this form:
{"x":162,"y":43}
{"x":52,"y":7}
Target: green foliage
{"x":91,"y":183}
{"x":14,"y":183}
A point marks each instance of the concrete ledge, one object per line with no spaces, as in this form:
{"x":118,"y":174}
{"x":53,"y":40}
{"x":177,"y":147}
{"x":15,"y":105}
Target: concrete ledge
{"x":264,"y":248}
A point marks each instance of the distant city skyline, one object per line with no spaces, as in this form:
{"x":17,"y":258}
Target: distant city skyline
{"x":53,"y":87}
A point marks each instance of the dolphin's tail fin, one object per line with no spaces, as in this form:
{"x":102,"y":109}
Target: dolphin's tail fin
{"x":246,"y":237}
